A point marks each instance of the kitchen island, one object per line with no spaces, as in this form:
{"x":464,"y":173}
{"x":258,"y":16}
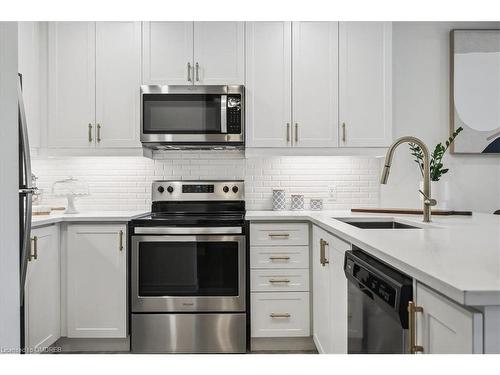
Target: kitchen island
{"x":459,"y":256}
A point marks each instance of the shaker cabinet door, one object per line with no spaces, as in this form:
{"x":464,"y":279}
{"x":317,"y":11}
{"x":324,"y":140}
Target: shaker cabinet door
{"x":71,"y":84}
{"x":167,"y":53}
{"x":444,"y":327}
{"x":315,"y":84}
{"x":42,"y":307}
{"x":219,"y":53}
{"x":96,"y":280}
{"x":268,"y":84}
{"x":365,"y":75}
{"x":118,"y":78}
{"x":322,"y":328}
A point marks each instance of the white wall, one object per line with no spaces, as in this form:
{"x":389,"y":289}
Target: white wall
{"x":9,"y":228}
{"x":124,"y":183}
{"x":421,"y":108}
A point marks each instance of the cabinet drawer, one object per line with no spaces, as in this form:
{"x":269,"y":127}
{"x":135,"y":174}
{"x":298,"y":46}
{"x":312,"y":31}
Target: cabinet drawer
{"x":296,"y":280}
{"x":280,"y":314}
{"x":279,"y":257}
{"x":278,"y":234}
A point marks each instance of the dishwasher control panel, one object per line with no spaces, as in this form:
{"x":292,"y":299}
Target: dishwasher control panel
{"x":372,"y":283}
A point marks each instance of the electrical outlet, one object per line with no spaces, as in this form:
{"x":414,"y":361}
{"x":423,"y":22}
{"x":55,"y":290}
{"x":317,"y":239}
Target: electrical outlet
{"x":332,"y":193}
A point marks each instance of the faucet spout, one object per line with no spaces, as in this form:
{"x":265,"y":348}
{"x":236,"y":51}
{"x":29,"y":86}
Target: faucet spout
{"x":428,"y":201}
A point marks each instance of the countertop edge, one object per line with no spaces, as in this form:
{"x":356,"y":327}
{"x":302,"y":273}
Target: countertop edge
{"x":469,"y":298}
{"x":85,"y":217}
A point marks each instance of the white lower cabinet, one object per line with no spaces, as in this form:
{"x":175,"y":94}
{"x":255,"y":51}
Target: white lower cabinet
{"x":329,"y":292}
{"x":42,"y":289}
{"x":444,"y":327}
{"x":279,"y":279}
{"x":280,"y":314}
{"x":96,"y":280}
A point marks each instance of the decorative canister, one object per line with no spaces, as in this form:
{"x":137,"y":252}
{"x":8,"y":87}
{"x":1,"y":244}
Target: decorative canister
{"x":278,"y":199}
{"x":316,"y":204}
{"x":297,"y":202}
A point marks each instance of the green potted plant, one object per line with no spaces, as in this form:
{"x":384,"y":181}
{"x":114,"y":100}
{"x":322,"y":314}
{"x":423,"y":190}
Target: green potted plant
{"x":439,"y":189}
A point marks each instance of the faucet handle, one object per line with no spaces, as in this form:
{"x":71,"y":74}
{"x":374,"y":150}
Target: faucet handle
{"x":428,"y":200}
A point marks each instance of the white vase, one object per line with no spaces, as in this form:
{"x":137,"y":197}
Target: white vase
{"x":440,"y":191}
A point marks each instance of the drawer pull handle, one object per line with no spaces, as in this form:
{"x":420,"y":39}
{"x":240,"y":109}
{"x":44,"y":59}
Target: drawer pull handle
{"x":279,"y":258}
{"x":279,"y":281}
{"x":272,"y":235}
{"x":279,"y":315}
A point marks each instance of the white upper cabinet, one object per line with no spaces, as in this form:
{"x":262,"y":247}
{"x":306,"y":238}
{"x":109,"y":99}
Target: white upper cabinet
{"x":93,"y":84}
{"x":219,"y":53}
{"x":42,"y":290}
{"x":365,"y":66}
{"x":118,"y":78}
{"x":167,"y":53}
{"x":444,"y":327}
{"x":201,"y":53}
{"x":97,"y":280}
{"x":268,"y":84}
{"x":30,"y":68}
{"x":315,"y":84}
{"x":71,"y":84}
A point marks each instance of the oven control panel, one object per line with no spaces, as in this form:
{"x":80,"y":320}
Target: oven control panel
{"x":197,"y":190}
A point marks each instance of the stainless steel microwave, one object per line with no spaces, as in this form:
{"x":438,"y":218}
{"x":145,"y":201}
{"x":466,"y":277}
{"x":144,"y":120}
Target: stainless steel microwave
{"x":174,"y":117}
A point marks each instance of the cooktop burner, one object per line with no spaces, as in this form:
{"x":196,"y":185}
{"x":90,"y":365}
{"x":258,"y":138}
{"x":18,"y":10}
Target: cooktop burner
{"x":195,"y":203}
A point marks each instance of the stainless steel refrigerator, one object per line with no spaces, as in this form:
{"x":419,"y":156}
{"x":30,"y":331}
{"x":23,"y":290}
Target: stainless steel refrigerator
{"x":26,"y":191}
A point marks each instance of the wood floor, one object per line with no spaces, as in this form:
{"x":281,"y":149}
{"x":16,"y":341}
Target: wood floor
{"x":286,"y":345}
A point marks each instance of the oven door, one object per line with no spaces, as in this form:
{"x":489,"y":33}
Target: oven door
{"x":186,"y":273}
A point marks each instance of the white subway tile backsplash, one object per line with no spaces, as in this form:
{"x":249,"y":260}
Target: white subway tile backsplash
{"x":124,"y":183}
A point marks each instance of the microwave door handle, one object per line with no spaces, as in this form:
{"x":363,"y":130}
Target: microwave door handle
{"x":223,"y":114}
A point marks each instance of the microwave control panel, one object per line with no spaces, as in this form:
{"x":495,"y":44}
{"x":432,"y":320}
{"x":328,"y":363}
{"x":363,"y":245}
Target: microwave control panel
{"x":234,"y":114}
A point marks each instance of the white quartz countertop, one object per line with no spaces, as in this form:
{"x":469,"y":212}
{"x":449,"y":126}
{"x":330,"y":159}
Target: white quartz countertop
{"x":456,"y":255}
{"x":94,"y":216}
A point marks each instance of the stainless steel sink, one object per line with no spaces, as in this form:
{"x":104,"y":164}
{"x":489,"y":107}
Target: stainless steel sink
{"x":372,"y":224}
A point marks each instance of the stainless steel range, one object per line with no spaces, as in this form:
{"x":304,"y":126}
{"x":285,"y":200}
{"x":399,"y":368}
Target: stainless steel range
{"x":188,"y":267}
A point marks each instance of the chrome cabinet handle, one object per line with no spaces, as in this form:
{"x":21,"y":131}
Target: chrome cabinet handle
{"x":197,"y":72}
{"x":35,"y":251}
{"x":33,"y":255}
{"x":272,"y":258}
{"x":189,"y":71}
{"x":90,"y":132}
{"x":274,"y":281}
{"x":98,"y":132}
{"x":288,"y":132}
{"x":121,"y":240}
{"x":296,"y":132}
{"x":343,"y":132}
{"x":272,"y":235}
{"x":322,"y":256}
{"x":412,"y":342}
{"x":279,"y":315}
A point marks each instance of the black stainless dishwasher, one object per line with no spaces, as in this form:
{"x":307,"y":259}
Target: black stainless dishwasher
{"x":378,"y":297}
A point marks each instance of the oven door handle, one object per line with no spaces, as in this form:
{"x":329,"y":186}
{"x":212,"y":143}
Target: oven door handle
{"x":188,"y":230}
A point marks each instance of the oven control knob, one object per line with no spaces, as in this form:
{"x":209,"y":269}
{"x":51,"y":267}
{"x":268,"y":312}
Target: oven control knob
{"x":161,"y":189}
{"x":170,"y":189}
{"x":225,"y":189}
{"x":235,"y":189}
